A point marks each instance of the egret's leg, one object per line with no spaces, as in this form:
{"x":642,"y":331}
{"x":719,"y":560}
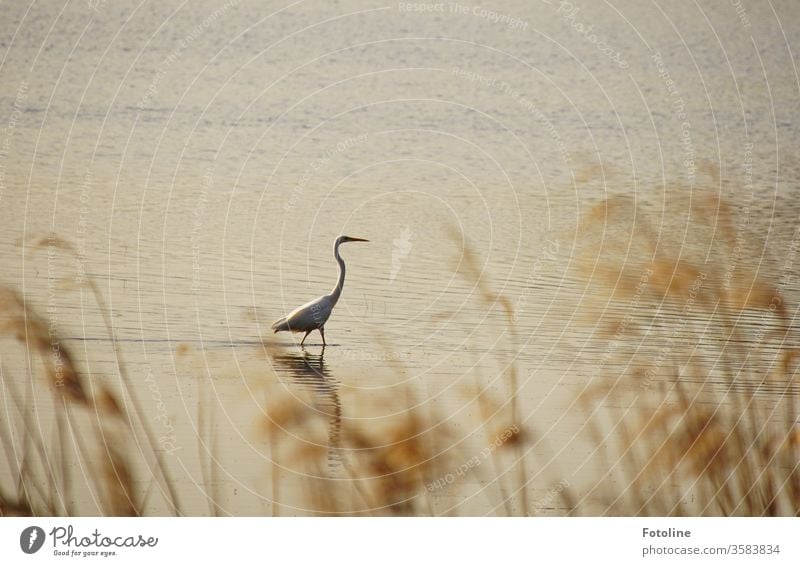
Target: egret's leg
{"x":304,"y":338}
{"x":322,"y":333}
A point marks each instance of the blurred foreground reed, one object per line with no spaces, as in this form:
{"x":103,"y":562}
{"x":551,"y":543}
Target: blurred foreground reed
{"x":68,"y":439}
{"x":694,"y":399}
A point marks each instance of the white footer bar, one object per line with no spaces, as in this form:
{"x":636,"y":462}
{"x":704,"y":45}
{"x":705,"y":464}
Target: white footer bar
{"x":401,"y":541}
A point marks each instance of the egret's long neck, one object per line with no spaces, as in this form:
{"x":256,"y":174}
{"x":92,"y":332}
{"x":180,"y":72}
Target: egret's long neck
{"x":337,"y":291}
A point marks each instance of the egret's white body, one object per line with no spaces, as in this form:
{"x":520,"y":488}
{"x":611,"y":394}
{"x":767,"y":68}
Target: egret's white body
{"x":314,"y":314}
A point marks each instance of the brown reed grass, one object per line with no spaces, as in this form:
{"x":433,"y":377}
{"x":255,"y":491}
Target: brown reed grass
{"x":45,"y":484}
{"x":699,"y":437}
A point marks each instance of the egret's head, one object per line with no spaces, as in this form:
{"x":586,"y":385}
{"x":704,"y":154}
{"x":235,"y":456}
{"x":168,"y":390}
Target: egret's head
{"x":343,"y":239}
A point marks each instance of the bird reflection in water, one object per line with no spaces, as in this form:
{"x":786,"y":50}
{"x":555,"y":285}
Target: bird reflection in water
{"x":308,"y":371}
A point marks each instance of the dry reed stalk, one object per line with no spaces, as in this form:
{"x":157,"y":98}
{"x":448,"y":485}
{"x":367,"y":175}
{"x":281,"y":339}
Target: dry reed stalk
{"x":45,"y":484}
{"x":718,"y":443}
{"x":471,"y":270}
{"x":118,"y":482}
{"x":57,"y":243}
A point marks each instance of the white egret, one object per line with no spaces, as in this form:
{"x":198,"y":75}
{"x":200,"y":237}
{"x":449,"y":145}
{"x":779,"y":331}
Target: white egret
{"x":314,"y":314}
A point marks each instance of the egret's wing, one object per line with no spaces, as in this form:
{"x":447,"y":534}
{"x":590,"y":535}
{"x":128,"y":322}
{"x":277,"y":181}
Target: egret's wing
{"x":280,"y":324}
{"x":307,"y":317}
